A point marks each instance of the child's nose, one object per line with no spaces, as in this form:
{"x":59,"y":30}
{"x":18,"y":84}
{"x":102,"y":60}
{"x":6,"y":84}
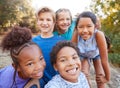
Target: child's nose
{"x":44,"y":22}
{"x":65,"y":21}
{"x":38,"y":66}
{"x":71,"y":62}
{"x":85,"y":29}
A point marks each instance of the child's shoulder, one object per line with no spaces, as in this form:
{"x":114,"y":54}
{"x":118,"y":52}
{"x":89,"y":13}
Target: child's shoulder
{"x":36,"y":37}
{"x":54,"y":82}
{"x":7,"y":69}
{"x":98,"y":32}
{"x":82,"y":74}
{"x":6,"y":73}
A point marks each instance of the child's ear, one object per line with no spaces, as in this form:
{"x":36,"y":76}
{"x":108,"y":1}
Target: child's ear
{"x":15,"y":66}
{"x":55,"y":67}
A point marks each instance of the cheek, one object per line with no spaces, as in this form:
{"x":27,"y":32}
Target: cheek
{"x":59,"y":66}
{"x":78,"y":62}
{"x":69,"y":22}
{"x":91,"y":32}
{"x":59,"y":23}
{"x":43,"y":64}
{"x":79,"y":31}
{"x":80,"y":65}
{"x":25,"y":69}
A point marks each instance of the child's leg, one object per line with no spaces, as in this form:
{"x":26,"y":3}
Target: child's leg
{"x":99,"y":72}
{"x":86,"y":69}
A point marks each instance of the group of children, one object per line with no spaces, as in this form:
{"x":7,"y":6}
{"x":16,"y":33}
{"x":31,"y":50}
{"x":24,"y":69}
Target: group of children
{"x":57,"y":57}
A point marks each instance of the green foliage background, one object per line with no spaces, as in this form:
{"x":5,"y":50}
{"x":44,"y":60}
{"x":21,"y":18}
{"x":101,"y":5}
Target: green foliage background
{"x":16,"y":12}
{"x":109,"y":13}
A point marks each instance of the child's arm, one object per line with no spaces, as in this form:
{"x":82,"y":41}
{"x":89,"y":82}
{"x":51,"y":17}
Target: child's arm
{"x":32,"y":83}
{"x":75,"y":36}
{"x":101,"y":42}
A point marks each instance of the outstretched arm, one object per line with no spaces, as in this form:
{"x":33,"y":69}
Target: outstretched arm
{"x":75,"y":36}
{"x":101,"y":42}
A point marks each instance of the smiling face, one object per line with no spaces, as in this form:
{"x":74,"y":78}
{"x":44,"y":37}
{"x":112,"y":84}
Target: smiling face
{"x":85,"y":27}
{"x":68,"y":64}
{"x":46,"y":22}
{"x":31,"y":63}
{"x":63,"y":21}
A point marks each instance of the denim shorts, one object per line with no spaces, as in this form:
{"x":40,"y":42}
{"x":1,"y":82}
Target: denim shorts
{"x":95,"y":58}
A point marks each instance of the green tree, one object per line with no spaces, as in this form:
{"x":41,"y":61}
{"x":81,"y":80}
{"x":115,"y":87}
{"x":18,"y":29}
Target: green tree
{"x":14,"y":11}
{"x":109,"y":12}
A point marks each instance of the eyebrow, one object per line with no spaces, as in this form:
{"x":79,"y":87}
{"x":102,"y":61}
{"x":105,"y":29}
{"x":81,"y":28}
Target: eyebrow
{"x":65,"y":56}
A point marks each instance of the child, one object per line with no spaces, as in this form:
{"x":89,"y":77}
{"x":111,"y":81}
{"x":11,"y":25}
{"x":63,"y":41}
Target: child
{"x":92,"y":45}
{"x":65,"y":59}
{"x":98,"y":23}
{"x":98,"y":26}
{"x":28,"y":62}
{"x":64,"y":23}
{"x":46,"y":40}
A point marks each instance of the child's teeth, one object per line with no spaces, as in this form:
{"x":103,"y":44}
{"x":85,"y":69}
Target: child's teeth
{"x":72,"y":71}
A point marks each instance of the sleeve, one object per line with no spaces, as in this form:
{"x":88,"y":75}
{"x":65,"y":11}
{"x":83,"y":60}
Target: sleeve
{"x":73,"y":24}
{"x":84,"y":81}
{"x":72,"y":27}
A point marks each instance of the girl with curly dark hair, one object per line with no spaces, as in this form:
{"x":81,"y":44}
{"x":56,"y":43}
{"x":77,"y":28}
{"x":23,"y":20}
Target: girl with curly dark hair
{"x":28,"y":62}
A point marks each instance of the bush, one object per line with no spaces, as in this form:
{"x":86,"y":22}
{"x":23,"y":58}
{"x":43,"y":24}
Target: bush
{"x":114,"y":58}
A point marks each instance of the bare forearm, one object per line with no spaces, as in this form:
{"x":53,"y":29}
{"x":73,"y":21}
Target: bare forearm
{"x":106,"y":69}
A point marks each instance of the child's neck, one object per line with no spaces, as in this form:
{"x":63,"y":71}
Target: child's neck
{"x":46,"y":35}
{"x":62,"y":31}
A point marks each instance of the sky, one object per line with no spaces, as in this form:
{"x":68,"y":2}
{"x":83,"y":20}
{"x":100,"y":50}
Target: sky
{"x":75,"y":6}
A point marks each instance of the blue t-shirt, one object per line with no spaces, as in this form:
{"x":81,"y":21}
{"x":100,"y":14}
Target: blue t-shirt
{"x":46,"y":45}
{"x":68,"y":34}
{"x":6,"y":78}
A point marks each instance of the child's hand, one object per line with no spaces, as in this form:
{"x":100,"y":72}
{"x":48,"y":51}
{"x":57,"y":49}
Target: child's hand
{"x":101,"y":79}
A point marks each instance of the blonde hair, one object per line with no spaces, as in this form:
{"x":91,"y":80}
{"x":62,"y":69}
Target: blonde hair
{"x":63,"y":10}
{"x":47,"y":10}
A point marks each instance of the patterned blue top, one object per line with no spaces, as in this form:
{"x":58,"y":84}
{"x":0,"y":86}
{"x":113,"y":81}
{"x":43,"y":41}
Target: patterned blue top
{"x":68,"y":34}
{"x":58,"y":82}
{"x":88,"y":48}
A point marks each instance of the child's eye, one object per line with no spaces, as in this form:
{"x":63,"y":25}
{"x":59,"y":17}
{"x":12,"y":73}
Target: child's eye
{"x":49,"y":20}
{"x":41,"y":57}
{"x":68,"y":18}
{"x":89,"y":26}
{"x":79,"y":26}
{"x":62,"y":60}
{"x":30,"y":64}
{"x":75,"y":57}
{"x":61,"y":19}
{"x":40,"y":20}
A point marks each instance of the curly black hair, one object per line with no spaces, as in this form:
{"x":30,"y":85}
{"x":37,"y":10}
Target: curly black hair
{"x":16,"y":37}
{"x":14,"y":41}
{"x":59,"y":46}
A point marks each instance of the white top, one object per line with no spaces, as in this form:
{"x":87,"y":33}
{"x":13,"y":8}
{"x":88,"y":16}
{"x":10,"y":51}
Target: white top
{"x":58,"y":82}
